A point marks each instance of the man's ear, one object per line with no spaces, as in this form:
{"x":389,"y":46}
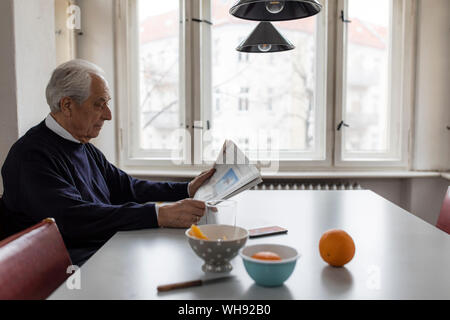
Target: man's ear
{"x":66,"y":105}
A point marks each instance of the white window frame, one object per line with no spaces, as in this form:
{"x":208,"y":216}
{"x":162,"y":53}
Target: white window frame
{"x":195,"y":63}
{"x":401,"y":78}
{"x":128,"y":84}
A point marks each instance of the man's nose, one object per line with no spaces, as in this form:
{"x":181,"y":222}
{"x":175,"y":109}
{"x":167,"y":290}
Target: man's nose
{"x":107,"y":114}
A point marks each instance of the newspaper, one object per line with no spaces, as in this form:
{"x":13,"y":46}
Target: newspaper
{"x":234,"y":174}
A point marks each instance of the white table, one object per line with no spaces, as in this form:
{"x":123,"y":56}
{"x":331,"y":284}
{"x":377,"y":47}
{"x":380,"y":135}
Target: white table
{"x":398,"y":256}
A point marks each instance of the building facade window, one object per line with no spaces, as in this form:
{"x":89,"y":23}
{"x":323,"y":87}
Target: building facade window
{"x":217,"y":100}
{"x":269,"y":99}
{"x":243,"y":101}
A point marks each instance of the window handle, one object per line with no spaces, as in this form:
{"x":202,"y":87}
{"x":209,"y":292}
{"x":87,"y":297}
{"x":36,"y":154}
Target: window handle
{"x":343,"y":19}
{"x":342,"y":123}
{"x":202,"y":20}
{"x":208,"y":126}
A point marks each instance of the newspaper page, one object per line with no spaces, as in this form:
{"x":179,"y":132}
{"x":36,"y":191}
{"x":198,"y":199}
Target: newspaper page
{"x":234,"y":174}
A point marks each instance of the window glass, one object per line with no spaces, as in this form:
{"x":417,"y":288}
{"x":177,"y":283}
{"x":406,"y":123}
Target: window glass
{"x":367,"y":108}
{"x":159,"y":102}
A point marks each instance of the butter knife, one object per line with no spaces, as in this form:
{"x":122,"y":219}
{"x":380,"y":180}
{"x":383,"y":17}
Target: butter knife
{"x":192,"y":283}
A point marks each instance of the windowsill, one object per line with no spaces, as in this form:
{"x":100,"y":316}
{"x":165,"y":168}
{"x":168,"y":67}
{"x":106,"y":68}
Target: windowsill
{"x":301,"y":174}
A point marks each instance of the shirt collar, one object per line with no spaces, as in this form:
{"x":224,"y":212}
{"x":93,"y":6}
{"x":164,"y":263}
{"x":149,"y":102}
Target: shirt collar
{"x":51,"y":123}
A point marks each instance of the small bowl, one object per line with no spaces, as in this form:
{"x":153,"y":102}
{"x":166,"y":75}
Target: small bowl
{"x":269,"y":273}
{"x":217,"y":252}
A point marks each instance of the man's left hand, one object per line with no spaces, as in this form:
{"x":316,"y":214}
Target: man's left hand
{"x":199,"y":180}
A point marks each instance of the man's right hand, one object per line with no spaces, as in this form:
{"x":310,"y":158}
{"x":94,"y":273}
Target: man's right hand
{"x":181,"y":214}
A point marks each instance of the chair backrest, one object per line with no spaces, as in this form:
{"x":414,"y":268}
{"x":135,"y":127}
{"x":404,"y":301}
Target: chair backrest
{"x":443,"y":222}
{"x":33,"y":263}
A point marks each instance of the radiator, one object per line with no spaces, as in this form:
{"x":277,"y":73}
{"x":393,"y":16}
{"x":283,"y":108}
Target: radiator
{"x":308,"y":186}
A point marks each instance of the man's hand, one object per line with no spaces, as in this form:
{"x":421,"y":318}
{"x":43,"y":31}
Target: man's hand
{"x":181,"y":214}
{"x":199,"y":180}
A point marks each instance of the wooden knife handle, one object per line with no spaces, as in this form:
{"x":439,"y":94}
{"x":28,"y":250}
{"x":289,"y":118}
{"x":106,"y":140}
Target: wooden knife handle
{"x":179,"y":285}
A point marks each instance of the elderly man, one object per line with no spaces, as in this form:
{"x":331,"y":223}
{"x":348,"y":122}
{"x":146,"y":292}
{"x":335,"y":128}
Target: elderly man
{"x":53,"y":171}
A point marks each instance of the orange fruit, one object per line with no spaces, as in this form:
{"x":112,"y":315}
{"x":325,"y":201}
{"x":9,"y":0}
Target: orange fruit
{"x":196,"y":232}
{"x":266,"y":255}
{"x":336,"y":247}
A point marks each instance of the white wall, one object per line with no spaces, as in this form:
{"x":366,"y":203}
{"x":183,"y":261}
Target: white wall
{"x":35,"y":58}
{"x":432,"y":112}
{"x":421,"y":196}
{"x":27,"y":35}
{"x":426,"y":197}
{"x":9,"y":129}
{"x":96,"y":44}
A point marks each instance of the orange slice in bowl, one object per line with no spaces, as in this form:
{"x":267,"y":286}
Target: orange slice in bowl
{"x":266,"y":255}
{"x":196,"y":232}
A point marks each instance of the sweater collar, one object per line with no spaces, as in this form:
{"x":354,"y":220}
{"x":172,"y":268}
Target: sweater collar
{"x":51,"y":123}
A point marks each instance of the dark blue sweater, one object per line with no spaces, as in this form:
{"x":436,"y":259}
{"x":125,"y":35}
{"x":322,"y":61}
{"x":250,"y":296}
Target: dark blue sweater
{"x":45,"y":175}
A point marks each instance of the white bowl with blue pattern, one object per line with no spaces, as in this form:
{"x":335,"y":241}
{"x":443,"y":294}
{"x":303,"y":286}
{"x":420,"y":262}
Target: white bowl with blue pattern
{"x":223,"y":244}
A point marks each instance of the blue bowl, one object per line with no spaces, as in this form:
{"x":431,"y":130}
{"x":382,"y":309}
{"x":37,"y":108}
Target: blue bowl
{"x":269,"y":273}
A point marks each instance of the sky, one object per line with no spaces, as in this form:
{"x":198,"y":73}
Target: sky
{"x":149,"y":8}
{"x":375,"y":12}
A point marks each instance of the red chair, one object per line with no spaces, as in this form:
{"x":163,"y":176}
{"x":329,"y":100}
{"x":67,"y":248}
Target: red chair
{"x":33,"y":263}
{"x":443,"y":222}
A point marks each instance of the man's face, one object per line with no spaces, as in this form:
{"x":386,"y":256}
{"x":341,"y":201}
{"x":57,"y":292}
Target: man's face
{"x":87,"y":119}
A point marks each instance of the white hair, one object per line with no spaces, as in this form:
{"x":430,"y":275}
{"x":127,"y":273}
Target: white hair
{"x":71,"y":79}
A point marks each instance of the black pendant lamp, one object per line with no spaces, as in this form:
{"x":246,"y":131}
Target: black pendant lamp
{"x":265,"y":38}
{"x":262,"y":10}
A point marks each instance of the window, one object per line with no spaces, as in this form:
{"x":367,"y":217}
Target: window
{"x":372,"y":83}
{"x":269,"y":99}
{"x":243,"y":100}
{"x":242,"y":56}
{"x":367,"y":108}
{"x":300,"y":116}
{"x":155,"y":86}
{"x":269,"y":143}
{"x":189,"y":89}
{"x":217,"y":95}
